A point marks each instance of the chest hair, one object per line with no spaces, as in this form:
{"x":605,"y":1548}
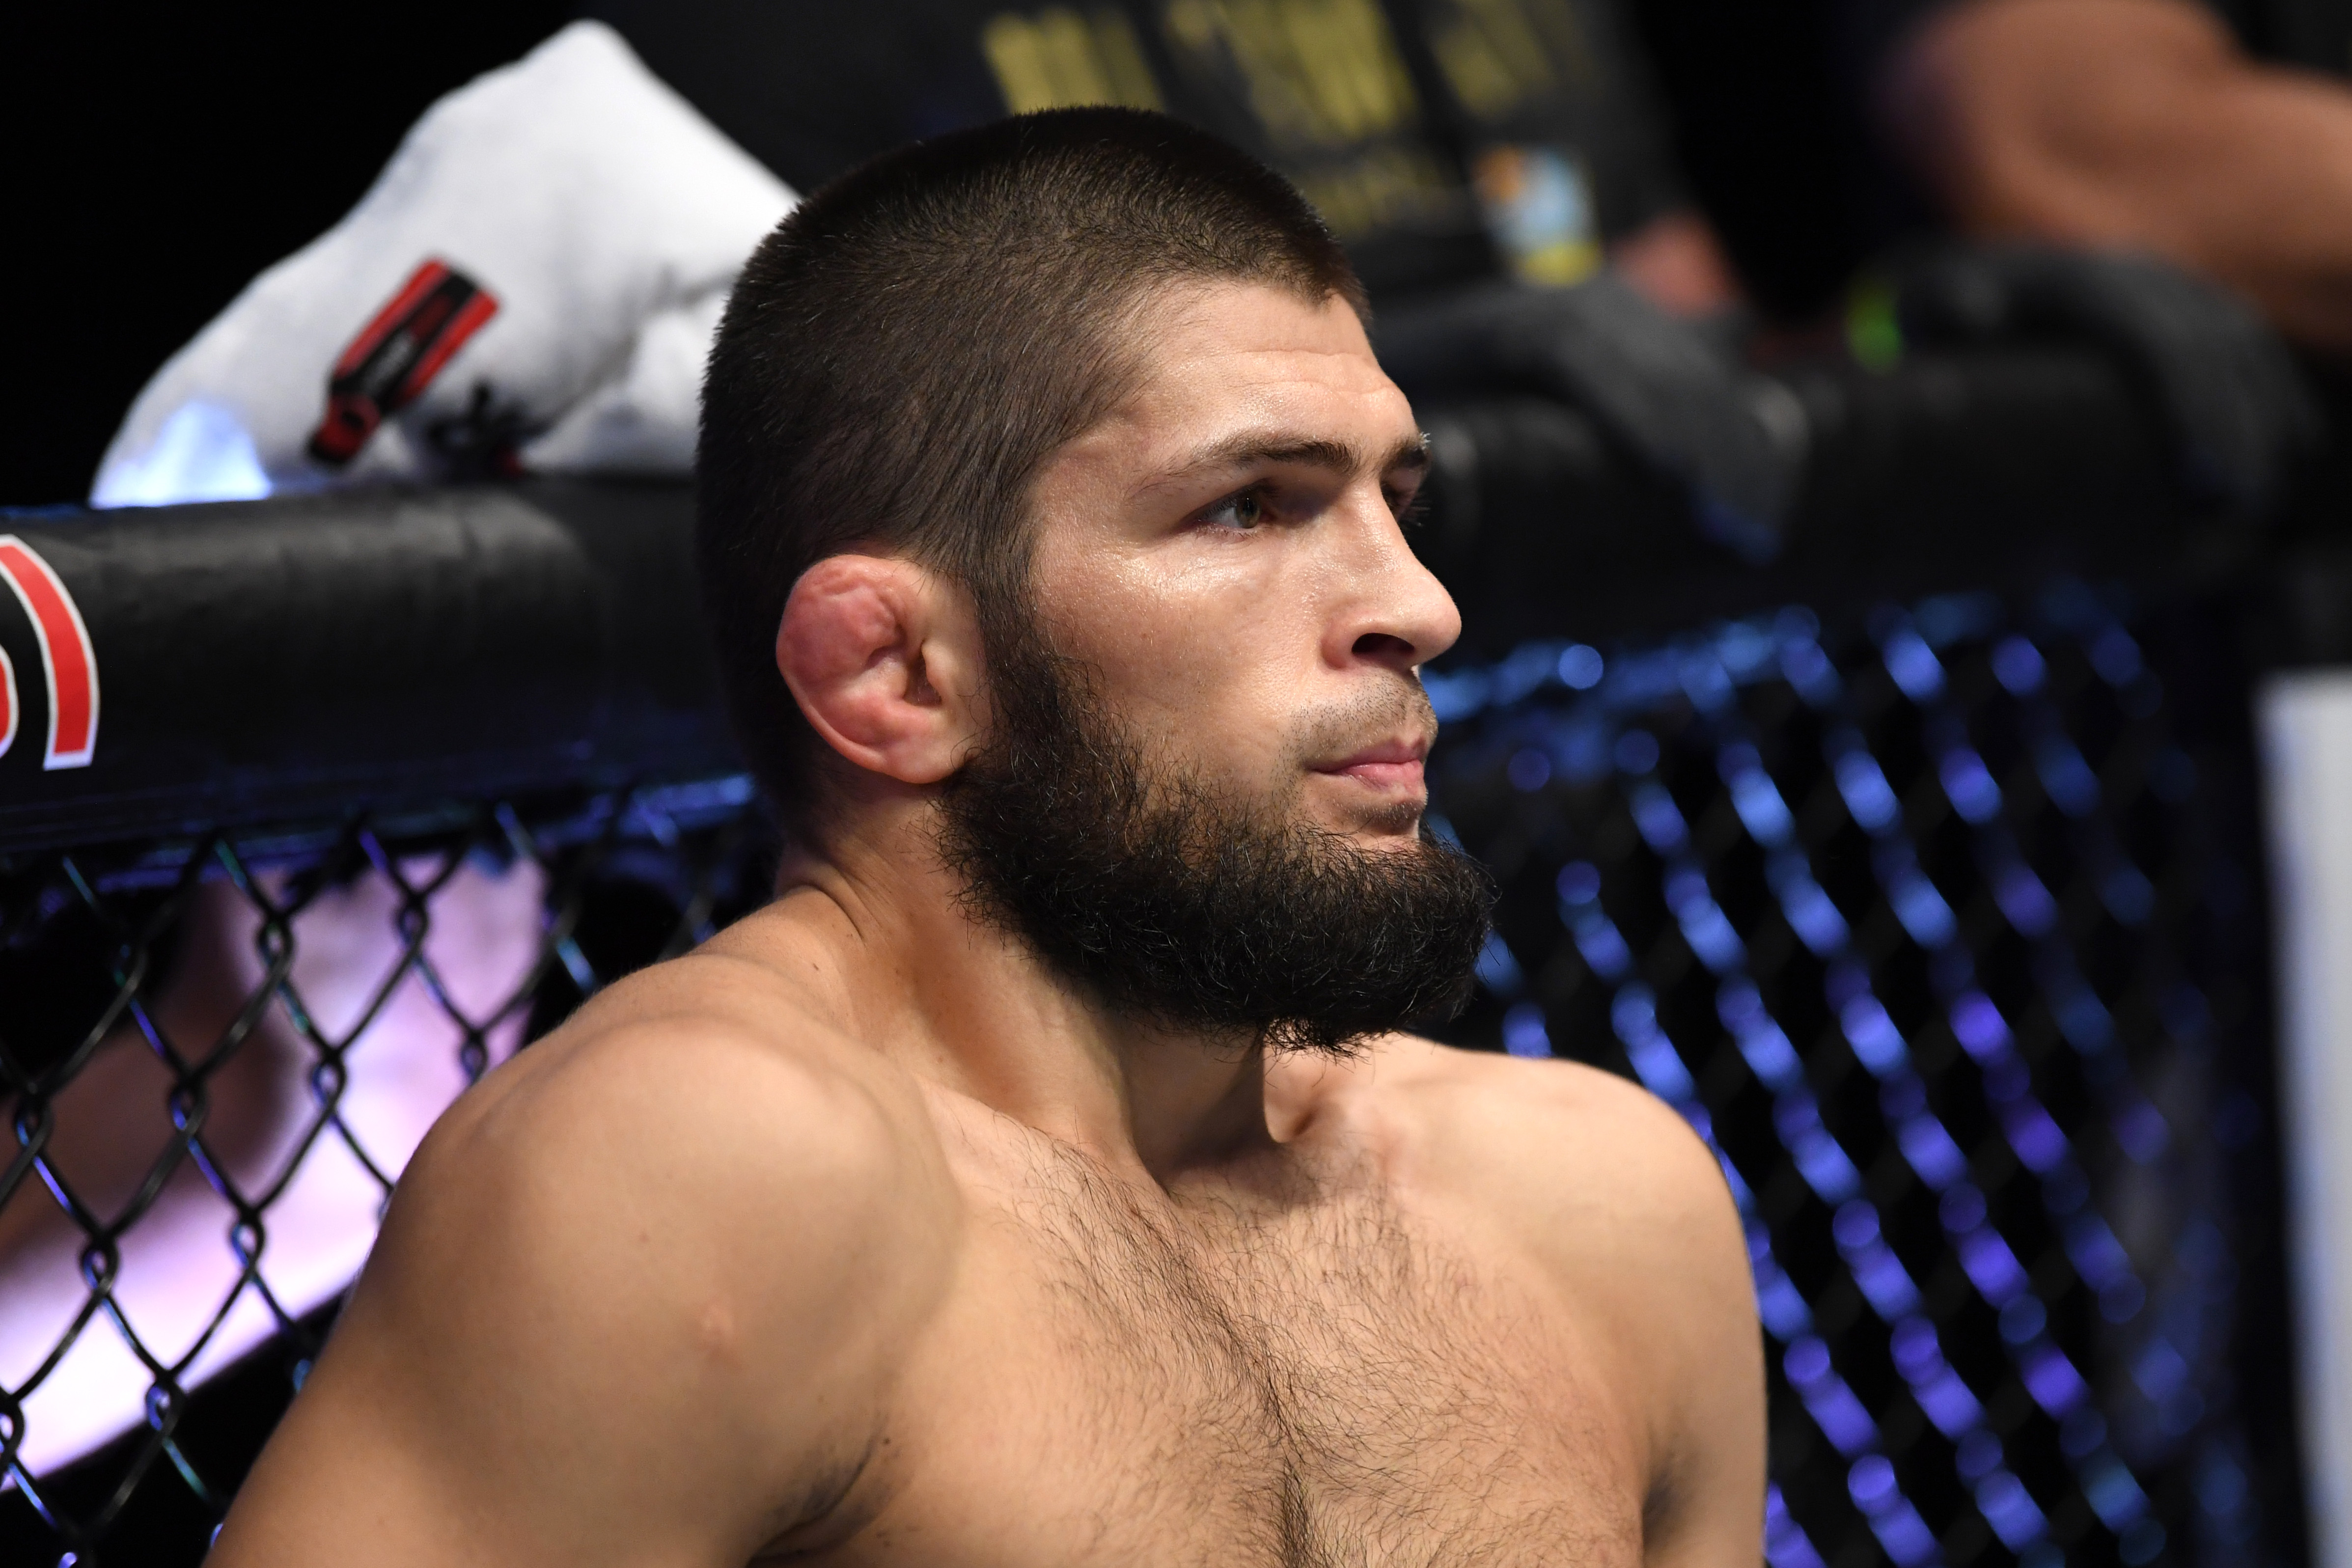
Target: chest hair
{"x":1304,"y":1377}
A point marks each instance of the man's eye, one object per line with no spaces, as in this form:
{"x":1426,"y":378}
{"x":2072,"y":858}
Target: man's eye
{"x":1244,"y":511}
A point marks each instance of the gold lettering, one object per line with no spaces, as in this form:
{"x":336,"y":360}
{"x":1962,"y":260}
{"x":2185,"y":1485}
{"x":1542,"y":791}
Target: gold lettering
{"x":1387,"y":186}
{"x":1078,"y":76}
{"x":1563,"y":30}
{"x":1191,"y":27}
{"x":1366,"y":56}
{"x":1479,"y":78}
{"x":1496,"y":54}
{"x":1017,"y":56}
{"x":1279,"y":92}
{"x":1122,"y":58}
{"x":1316,"y":72}
{"x":1060,"y":60}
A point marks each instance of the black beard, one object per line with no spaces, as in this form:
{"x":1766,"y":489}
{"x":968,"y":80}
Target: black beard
{"x":1174,"y":902}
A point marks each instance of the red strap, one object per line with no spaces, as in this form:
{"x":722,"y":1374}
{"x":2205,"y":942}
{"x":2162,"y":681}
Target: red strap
{"x":7,"y":703}
{"x":396,"y":356}
{"x":421,"y":282}
{"x":68,"y":662}
{"x":470,"y":319}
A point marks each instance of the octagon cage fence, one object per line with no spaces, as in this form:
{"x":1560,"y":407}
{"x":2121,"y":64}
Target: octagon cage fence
{"x":1921,"y":872}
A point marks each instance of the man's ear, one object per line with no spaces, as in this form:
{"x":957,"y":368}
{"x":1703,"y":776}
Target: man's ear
{"x":883,"y":656}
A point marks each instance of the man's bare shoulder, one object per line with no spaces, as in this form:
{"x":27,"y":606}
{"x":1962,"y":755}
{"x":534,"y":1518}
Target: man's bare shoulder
{"x":692,"y":1194}
{"x":609,"y":1255}
{"x":1621,"y":1208}
{"x":1560,"y":1142}
{"x":700,"y":1096}
{"x":717,"y":1071}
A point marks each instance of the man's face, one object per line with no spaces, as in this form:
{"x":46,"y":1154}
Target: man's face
{"x":1224,"y":555}
{"x":1201,"y":794}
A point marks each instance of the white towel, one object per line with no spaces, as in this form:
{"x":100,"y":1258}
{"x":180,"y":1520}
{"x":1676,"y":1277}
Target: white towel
{"x":602,"y":216}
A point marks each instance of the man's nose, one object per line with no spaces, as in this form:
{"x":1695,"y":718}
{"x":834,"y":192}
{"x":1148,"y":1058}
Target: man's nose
{"x":1396,"y":612}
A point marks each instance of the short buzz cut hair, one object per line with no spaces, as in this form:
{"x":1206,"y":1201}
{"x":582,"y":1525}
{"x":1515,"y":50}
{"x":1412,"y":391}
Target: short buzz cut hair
{"x":905,"y":351}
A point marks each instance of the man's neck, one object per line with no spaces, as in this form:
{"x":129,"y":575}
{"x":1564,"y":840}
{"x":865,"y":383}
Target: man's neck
{"x":880,"y":929}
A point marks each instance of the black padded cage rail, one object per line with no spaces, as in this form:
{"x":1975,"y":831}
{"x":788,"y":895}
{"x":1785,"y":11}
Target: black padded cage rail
{"x":1921,"y":872}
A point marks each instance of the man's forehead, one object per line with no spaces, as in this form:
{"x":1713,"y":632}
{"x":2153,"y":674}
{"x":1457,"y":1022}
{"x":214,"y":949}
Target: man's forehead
{"x":1228,"y":373}
{"x":1251,"y":330}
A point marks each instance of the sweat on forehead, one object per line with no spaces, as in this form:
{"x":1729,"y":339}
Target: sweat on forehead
{"x":908,"y":346}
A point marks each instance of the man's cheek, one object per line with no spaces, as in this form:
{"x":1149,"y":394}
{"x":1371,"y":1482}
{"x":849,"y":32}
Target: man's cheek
{"x":1237,"y":753}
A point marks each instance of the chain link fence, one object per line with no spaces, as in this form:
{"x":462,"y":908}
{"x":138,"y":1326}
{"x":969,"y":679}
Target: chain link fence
{"x":219,"y":1054}
{"x":1943,"y":922}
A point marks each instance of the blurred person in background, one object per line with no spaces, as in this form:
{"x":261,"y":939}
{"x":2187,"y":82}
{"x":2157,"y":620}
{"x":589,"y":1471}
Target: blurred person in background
{"x":2144,"y":124}
{"x":1446,"y":141}
{"x":2216,"y":134}
{"x":1539,"y":195}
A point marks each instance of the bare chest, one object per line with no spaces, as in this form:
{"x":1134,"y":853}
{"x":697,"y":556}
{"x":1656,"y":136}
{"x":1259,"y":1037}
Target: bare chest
{"x":1323,"y":1381}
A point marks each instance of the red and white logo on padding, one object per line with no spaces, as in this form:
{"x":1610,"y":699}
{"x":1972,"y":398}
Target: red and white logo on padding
{"x":7,"y":703}
{"x":68,"y":662}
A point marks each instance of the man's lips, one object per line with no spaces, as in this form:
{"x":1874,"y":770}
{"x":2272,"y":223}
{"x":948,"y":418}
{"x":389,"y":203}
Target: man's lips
{"x":1392,"y":764}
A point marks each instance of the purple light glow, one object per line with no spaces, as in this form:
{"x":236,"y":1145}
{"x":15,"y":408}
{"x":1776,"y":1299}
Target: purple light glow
{"x":1982,"y":1032}
{"x":1930,"y":1150}
{"x":1968,"y":785}
{"x":2114,"y":1496}
{"x":1660,"y":820}
{"x":2032,"y":1133}
{"x":1913,"y":664}
{"x":1990,"y":1266}
{"x":1523,"y":1033}
{"x":1759,"y":802}
{"x":2011,"y":1510}
{"x":1603,"y":948}
{"x":1710,"y":936}
{"x":2023,"y":899}
{"x":1786,"y":1544}
{"x":1810,"y":913}
{"x":1771,"y":1057}
{"x":1867,"y":794}
{"x":177,"y":1265}
{"x":1832,"y":1405}
{"x":1876,"y":1042}
{"x":2066,"y":778}
{"x":2053,"y":1380}
{"x":2017,"y":665}
{"x":2093,"y":1251}
{"x":1921,"y":909}
{"x":1892,"y":1518}
{"x":1809,"y":671}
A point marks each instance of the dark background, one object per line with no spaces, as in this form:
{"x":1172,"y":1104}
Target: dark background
{"x":157,"y":159}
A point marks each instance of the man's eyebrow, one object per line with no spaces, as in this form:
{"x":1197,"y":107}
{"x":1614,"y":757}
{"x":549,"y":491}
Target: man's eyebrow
{"x":1412,"y":453}
{"x":1251,"y":447}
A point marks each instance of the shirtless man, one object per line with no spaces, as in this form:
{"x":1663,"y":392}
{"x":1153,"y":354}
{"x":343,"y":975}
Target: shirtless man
{"x":1041,"y":1179}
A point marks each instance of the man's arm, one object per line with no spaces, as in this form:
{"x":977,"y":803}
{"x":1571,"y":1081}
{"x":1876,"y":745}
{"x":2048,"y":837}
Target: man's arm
{"x":635,"y":1302}
{"x":2136,"y":123}
{"x":1627,"y":1208}
{"x":1675,"y":1273}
